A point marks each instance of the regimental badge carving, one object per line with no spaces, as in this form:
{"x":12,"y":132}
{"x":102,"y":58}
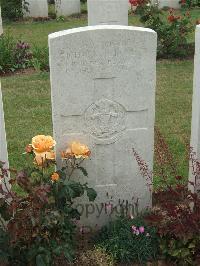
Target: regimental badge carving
{"x":105,"y":119}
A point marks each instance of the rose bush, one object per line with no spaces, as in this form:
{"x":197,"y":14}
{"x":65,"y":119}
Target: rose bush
{"x":172,"y":33}
{"x":38,"y":225}
{"x":190,"y":3}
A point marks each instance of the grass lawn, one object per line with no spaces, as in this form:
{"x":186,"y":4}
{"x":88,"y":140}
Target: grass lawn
{"x":27,"y":97}
{"x":37,"y":32}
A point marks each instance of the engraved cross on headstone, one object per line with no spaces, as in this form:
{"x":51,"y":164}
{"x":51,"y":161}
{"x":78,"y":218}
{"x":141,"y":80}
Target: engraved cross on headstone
{"x":105,"y":121}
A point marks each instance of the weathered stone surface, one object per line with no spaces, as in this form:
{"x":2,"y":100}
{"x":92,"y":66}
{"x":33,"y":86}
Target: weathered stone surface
{"x":107,"y":12}
{"x":169,"y":3}
{"x":103,"y":90}
{"x":195,"y":127}
{"x":37,"y":8}
{"x":1,"y":27}
{"x":67,"y":7}
{"x":3,"y":144}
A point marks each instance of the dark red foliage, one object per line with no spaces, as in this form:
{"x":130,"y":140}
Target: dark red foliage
{"x":176,"y":211}
{"x":23,"y":213}
{"x":138,"y":2}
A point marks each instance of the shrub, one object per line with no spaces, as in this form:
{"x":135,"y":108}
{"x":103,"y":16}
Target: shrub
{"x":172,"y":33}
{"x":22,"y":55}
{"x":38,"y":225}
{"x":13,"y":55}
{"x":7,"y":46}
{"x":176,"y":211}
{"x":190,"y":3}
{"x":40,"y":59}
{"x":129,"y":240}
{"x":177,"y":223}
{"x":13,"y":9}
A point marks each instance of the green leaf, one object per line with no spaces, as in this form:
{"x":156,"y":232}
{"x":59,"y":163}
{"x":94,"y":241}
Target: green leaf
{"x":176,"y":252}
{"x":40,"y":260}
{"x":83,"y":170}
{"x":91,"y":193}
{"x":192,"y":245}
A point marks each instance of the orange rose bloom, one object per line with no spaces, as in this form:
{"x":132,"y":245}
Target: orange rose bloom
{"x":42,"y":143}
{"x":40,"y":158}
{"x":55,"y":177}
{"x":79,"y":150}
{"x":67,"y":153}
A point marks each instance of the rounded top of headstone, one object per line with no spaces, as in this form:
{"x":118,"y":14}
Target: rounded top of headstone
{"x":99,"y":27}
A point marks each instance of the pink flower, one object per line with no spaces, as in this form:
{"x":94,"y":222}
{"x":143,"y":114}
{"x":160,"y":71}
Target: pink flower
{"x":137,"y":232}
{"x":141,"y":229}
{"x":133,"y":228}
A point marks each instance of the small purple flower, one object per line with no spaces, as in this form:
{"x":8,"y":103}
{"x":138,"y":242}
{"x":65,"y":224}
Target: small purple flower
{"x":133,"y":228}
{"x":137,"y":232}
{"x":141,"y":229}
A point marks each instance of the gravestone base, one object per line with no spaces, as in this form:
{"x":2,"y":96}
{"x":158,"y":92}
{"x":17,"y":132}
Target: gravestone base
{"x":67,"y":7}
{"x":36,"y":8}
{"x":169,"y":3}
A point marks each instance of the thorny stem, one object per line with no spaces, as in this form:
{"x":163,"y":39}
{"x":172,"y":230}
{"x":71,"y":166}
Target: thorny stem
{"x":75,"y":166}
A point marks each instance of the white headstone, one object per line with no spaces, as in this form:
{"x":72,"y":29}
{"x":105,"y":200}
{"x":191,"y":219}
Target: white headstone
{"x":195,"y":127}
{"x":67,"y":7}
{"x":169,"y":3}
{"x":107,"y":12}
{"x":3,"y":144}
{"x":1,"y":27}
{"x":36,"y":8}
{"x":103,"y":95}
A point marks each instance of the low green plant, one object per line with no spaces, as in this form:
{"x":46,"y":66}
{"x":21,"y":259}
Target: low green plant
{"x":13,"y":56}
{"x":7,"y":45}
{"x":22,"y":55}
{"x":38,"y":225}
{"x":129,"y":240}
{"x":60,"y":19}
{"x":40,"y":59}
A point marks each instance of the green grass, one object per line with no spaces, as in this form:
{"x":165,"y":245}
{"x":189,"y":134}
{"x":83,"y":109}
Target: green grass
{"x":27,"y":97}
{"x":37,"y":32}
{"x":27,"y":112}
